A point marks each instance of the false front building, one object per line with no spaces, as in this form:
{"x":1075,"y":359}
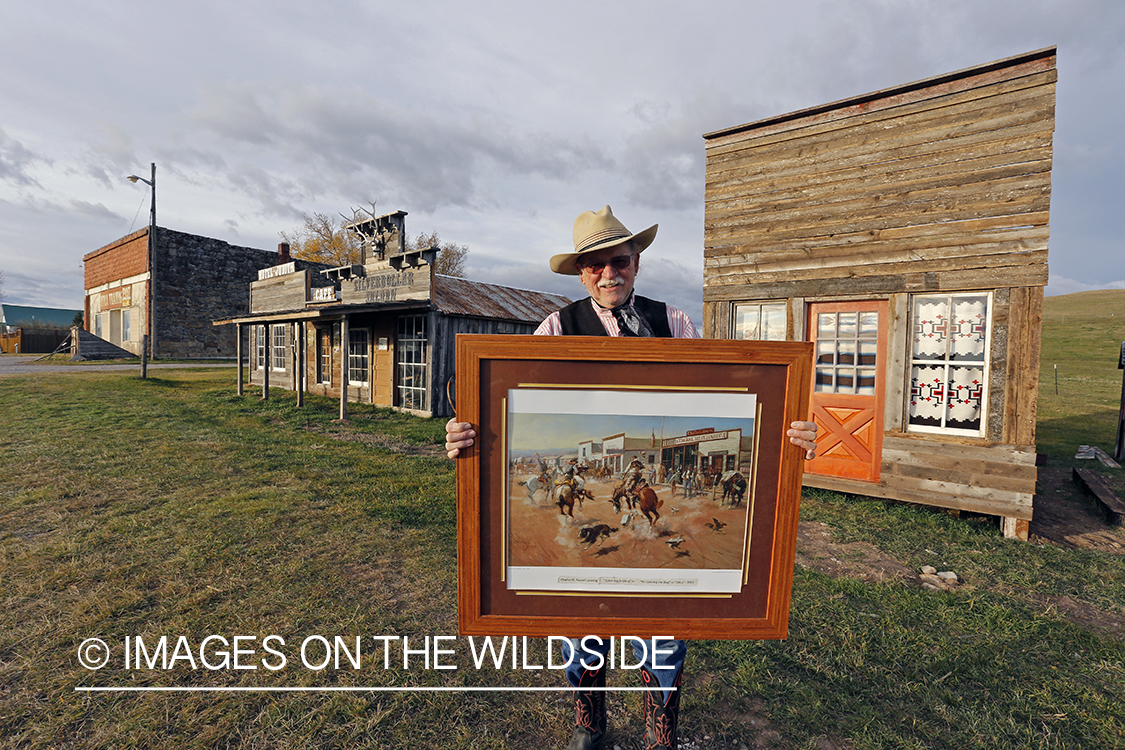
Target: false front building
{"x":904,"y":232}
{"x":383,"y":331}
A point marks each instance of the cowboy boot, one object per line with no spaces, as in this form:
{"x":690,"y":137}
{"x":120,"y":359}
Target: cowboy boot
{"x":662,"y":717}
{"x":589,"y":712}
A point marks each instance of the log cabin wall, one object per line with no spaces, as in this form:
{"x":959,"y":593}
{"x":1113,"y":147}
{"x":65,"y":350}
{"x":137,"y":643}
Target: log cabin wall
{"x":936,"y":187}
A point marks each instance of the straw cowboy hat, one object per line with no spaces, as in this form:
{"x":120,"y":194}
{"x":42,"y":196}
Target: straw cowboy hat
{"x":597,"y":230}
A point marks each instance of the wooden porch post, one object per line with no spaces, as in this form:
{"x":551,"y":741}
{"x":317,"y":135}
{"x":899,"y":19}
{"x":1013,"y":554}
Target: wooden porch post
{"x":299,"y":367}
{"x":267,"y":363}
{"x":238,"y":353}
{"x":344,"y":368}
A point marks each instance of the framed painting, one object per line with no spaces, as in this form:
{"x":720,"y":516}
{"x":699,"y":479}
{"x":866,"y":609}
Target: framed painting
{"x":625,"y":486}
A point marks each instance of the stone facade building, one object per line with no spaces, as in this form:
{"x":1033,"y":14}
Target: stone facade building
{"x":192,"y":281}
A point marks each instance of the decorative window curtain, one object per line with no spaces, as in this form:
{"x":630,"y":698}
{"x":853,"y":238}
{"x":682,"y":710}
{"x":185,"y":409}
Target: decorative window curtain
{"x":949,"y":363}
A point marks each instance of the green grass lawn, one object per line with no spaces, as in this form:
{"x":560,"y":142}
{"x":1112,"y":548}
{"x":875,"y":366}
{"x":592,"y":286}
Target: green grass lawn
{"x":172,"y":507}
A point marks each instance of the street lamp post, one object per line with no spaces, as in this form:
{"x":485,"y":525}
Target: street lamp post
{"x":150,"y":297}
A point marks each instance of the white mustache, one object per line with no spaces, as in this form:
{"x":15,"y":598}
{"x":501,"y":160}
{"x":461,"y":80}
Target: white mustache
{"x":610,"y":284}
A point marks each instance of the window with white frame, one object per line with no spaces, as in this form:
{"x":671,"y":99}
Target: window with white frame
{"x":949,"y":363}
{"x":760,"y":321}
{"x":260,"y":347}
{"x":358,"y":355}
{"x":412,"y":365}
{"x":125,"y":333}
{"x":277,"y":347}
{"x":324,"y":355}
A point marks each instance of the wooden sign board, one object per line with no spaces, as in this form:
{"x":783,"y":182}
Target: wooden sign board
{"x":284,"y":292}
{"x":387,"y":286}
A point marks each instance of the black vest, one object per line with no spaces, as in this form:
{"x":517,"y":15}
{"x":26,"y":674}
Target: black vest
{"x":579,"y":319}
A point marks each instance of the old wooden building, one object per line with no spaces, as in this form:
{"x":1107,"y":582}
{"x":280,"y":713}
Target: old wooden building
{"x":382,"y":331}
{"x":905,"y":233}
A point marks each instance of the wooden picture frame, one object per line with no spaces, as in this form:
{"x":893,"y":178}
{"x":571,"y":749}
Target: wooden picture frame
{"x":691,"y":565}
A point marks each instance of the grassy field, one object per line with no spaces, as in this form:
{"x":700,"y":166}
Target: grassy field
{"x":172,"y":507}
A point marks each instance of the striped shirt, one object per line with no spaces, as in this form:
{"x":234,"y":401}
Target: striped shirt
{"x":678,"y":322}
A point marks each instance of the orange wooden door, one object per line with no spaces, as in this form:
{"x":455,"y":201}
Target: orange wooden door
{"x":850,"y":340}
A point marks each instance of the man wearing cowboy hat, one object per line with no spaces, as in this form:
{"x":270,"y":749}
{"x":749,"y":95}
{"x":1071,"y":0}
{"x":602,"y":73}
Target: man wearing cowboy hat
{"x":606,"y":258}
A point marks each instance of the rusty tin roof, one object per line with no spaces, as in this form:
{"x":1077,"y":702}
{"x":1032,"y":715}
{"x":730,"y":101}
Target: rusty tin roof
{"x":457,"y":296}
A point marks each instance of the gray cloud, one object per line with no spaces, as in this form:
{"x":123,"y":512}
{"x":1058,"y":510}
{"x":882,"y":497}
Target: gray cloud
{"x":337,"y":137}
{"x":16,"y":160}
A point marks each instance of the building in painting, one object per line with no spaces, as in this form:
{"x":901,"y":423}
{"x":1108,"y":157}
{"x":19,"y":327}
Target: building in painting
{"x":905,"y":233}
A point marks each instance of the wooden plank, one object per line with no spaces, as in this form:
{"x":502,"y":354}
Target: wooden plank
{"x":1024,"y":338}
{"x":947,"y":131}
{"x":982,"y":476}
{"x":877,"y":285}
{"x":798,"y":242}
{"x":985,"y":271}
{"x":965,"y":496}
{"x":876,"y":251}
{"x":387,"y":285}
{"x":835,"y":116}
{"x":1014,"y":506}
{"x":954,"y":136}
{"x":909,"y":198}
{"x":1014,"y":210}
{"x":286,"y":292}
{"x":895,"y":363}
{"x":1014,"y":194}
{"x":797,"y":310}
{"x":997,"y":364}
{"x":971,"y":449}
{"x":768,"y":170}
{"x":1094,"y":485}
{"x":869,"y":177}
{"x":826,"y":184}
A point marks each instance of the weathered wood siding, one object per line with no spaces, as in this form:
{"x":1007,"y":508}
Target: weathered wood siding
{"x":935,"y":186}
{"x":443,"y":349}
{"x":941,"y":185}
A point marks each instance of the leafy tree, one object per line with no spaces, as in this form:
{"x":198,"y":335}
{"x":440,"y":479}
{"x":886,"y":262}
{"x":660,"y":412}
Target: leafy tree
{"x":324,"y":240}
{"x":450,"y":261}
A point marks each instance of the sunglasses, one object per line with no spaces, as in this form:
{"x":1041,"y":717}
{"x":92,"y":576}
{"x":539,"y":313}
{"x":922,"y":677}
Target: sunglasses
{"x":620,"y":263}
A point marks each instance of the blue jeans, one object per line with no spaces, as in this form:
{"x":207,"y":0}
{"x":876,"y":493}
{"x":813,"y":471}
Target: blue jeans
{"x":665,"y":662}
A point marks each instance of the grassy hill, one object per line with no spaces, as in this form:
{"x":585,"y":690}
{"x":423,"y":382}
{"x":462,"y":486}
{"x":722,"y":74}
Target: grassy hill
{"x":1082,"y":335}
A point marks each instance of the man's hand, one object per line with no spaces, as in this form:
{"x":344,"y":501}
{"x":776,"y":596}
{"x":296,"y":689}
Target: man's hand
{"x":802,"y":434}
{"x":460,"y":435}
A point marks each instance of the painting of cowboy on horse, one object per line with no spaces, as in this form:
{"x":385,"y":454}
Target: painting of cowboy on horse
{"x":612,"y":490}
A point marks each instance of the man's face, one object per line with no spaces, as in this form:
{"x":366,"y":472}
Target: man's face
{"x":608,"y":274}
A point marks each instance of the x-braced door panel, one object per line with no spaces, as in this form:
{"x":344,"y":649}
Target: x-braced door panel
{"x":850,"y":342}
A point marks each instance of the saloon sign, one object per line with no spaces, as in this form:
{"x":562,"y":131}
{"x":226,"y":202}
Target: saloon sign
{"x":695,"y":436}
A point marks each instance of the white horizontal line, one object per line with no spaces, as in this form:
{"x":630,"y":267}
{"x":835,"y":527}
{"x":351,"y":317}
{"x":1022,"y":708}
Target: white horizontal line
{"x":112,"y":689}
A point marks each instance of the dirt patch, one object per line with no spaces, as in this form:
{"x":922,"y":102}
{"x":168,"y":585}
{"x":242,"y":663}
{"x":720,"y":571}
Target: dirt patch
{"x":391,"y":444}
{"x":817,"y":550}
{"x":1087,"y":615}
{"x":1065,"y":517}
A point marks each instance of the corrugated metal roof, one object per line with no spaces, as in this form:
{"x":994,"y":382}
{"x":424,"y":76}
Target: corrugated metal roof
{"x":456,"y":296}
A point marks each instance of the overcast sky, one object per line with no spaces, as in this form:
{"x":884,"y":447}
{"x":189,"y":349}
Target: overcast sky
{"x":492,"y":123}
